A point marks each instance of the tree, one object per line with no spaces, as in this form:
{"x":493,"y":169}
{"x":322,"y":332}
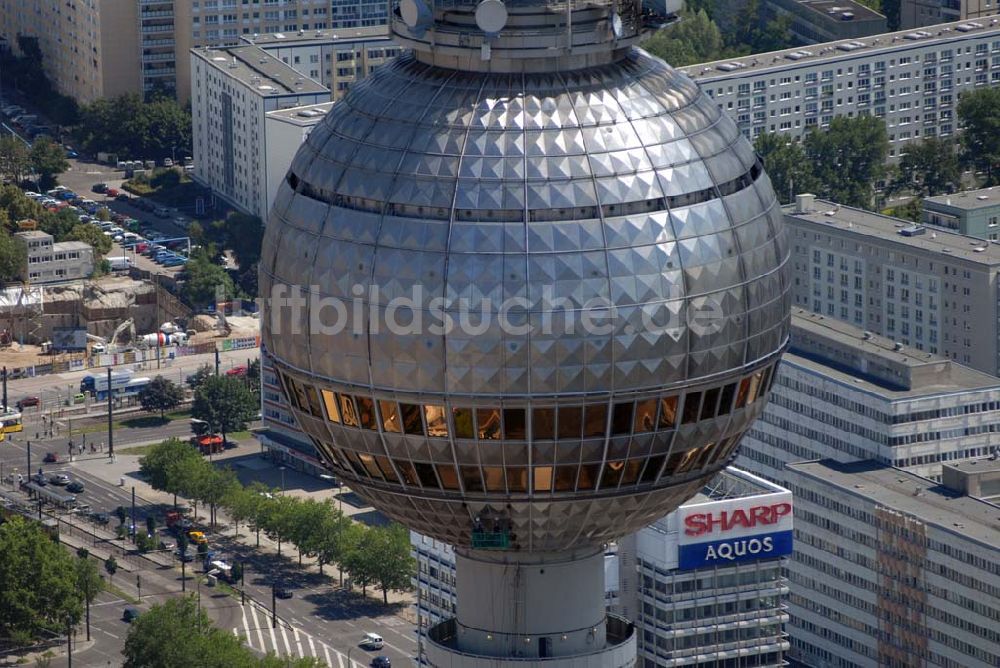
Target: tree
{"x":103,"y":214}
{"x":182,"y":544}
{"x":236,"y":571}
{"x":122,"y":514}
{"x":13,"y":257}
{"x":90,"y":234}
{"x":979,"y":113}
{"x":392,"y":565}
{"x":15,"y":159}
{"x":203,"y":373}
{"x":309,"y":519}
{"x":787,"y":166}
{"x":929,"y":167}
{"x":359,"y":561}
{"x":848,"y":159}
{"x":38,"y":588}
{"x":253,"y":375}
{"x":48,"y":160}
{"x":244,"y":235}
{"x":111,"y":566}
{"x":131,"y":128}
{"x":225,"y":403}
{"x":205,"y":282}
{"x":151,"y":525}
{"x":693,"y":39}
{"x":278,"y":517}
{"x":89,"y":583}
{"x":163,"y":465}
{"x":161,"y":395}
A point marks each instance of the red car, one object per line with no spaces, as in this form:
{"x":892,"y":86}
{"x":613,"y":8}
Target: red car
{"x":51,"y":458}
{"x":238,"y":370}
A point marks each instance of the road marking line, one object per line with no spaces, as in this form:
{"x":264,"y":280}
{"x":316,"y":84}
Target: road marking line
{"x":274,"y":638}
{"x":256,"y":625}
{"x":298,"y":642}
{"x":284,"y":637}
{"x":326,"y":654}
{"x":312,"y":646}
{"x":246,"y":626}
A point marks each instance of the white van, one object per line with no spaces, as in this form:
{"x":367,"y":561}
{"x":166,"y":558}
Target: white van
{"x":122,"y":263}
{"x":372,"y":641}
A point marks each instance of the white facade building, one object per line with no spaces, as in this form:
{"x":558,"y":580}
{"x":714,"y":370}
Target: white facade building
{"x":844,"y":394}
{"x":891,"y":569}
{"x":232,"y":91}
{"x":912,"y":79}
{"x":50,"y":262}
{"x":703,"y":585}
{"x":284,"y":132}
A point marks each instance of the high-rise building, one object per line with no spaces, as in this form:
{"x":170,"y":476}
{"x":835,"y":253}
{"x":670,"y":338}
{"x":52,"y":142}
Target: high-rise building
{"x":971,"y":212}
{"x":891,"y":569}
{"x":845,"y":394}
{"x":702,"y":593}
{"x":234,"y":90}
{"x":929,"y":13}
{"x":912,"y":79}
{"x":509,"y":156}
{"x":926,"y":288}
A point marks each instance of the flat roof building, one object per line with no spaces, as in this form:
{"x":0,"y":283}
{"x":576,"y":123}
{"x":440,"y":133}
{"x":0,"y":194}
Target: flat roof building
{"x":925,"y":288}
{"x":816,"y":21}
{"x":50,"y":262}
{"x":233,"y":90}
{"x":912,"y":79}
{"x":972,"y":212}
{"x":891,"y":569}
{"x":924,"y":13}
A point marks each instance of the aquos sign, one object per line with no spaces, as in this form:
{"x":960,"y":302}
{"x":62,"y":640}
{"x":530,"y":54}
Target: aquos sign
{"x":724,"y":532}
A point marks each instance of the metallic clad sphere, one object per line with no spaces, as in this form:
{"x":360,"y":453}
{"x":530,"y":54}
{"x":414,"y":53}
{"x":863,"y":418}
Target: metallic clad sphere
{"x":612,"y":262}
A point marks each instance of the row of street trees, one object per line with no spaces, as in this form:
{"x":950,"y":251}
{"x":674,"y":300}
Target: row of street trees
{"x":372,"y":556}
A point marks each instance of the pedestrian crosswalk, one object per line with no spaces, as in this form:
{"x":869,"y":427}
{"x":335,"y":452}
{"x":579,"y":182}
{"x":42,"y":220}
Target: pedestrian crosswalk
{"x":259,"y":634}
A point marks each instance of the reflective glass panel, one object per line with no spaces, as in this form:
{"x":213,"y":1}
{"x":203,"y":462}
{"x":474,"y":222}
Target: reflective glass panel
{"x":588,"y":476}
{"x":471,"y":479}
{"x":741,"y":396}
{"x":543,"y":424}
{"x":632,"y":469}
{"x":645,"y":416}
{"x":488,"y":423}
{"x":390,"y":416}
{"x":565,"y":478}
{"x":352,"y":459}
{"x":369,"y":463}
{"x":612,"y":474}
{"x":517,"y":478}
{"x":709,"y":403}
{"x":754,"y":387}
{"x":366,"y":412}
{"x":494,"y":479}
{"x":726,"y":399}
{"x":652,"y":469}
{"x":313,"y":398}
{"x":406,"y":470}
{"x":668,"y":413}
{"x":448,"y":476}
{"x":386,"y":468}
{"x":621,"y":418}
{"x":513,"y":424}
{"x":412,"y":423}
{"x":595,"y":420}
{"x":425,"y":473}
{"x":692,"y":402}
{"x":462,"y":419}
{"x":437,"y":421}
{"x":347,"y":412}
{"x":543,"y":478}
{"x":570,"y":421}
{"x":332,"y":410}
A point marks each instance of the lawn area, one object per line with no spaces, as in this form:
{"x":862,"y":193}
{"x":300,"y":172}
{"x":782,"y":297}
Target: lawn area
{"x":136,"y":449}
{"x":140,"y":421}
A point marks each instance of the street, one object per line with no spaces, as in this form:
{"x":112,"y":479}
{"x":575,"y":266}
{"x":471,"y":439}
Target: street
{"x":320,"y":620}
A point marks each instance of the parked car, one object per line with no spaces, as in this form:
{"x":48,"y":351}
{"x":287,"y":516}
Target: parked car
{"x":25,"y":402}
{"x":100,"y":188}
{"x":76,"y":487}
{"x":122,"y":197}
{"x":112,"y":192}
{"x":39,"y":479}
{"x":51,"y":458}
{"x":59,"y":479}
{"x":100,"y":518}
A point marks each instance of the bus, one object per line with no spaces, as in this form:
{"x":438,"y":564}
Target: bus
{"x":10,"y":422}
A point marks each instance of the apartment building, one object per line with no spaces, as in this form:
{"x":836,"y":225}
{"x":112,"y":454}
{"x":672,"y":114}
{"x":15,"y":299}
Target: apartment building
{"x":89,"y":47}
{"x":698,"y":598}
{"x":844,"y":394}
{"x":335,"y":58}
{"x":972,"y":212}
{"x":232,"y":92}
{"x":891,"y":569}
{"x":50,"y":262}
{"x":911,"y":79}
{"x":817,"y":21}
{"x":926,"y":288}
{"x":922,"y":13}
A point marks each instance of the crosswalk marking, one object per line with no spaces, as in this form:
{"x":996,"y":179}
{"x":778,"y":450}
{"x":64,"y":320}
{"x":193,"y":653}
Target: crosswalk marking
{"x":312,"y":647}
{"x":256,"y":625}
{"x":298,"y":641}
{"x":284,"y":637}
{"x":326,"y":655}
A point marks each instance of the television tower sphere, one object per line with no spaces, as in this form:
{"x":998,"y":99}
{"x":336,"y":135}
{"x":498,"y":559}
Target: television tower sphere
{"x":526,"y":290}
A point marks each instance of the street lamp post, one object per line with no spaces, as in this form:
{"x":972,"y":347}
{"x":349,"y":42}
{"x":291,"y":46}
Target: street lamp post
{"x":336,"y":481}
{"x":282,"y":469}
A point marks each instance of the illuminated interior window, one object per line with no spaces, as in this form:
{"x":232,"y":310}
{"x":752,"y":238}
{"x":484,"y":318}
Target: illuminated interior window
{"x":706,"y":454}
{"x":595,"y":420}
{"x":369,"y":463}
{"x":471,"y":479}
{"x":612,"y":474}
{"x":645,"y":416}
{"x":692,"y":402}
{"x":437,"y":421}
{"x":565,"y":478}
{"x":390,"y":416}
{"x":332,"y":410}
{"x":542,"y":479}
{"x":570,"y":421}
{"x":514,"y":426}
{"x":621,"y":418}
{"x":754,"y":386}
{"x":588,"y":476}
{"x":677,"y":458}
{"x":652,"y":469}
{"x":348,"y":414}
{"x":743,"y":393}
{"x":726,"y":399}
{"x":448,"y":476}
{"x":633,"y":468}
{"x":543,"y":424}
{"x":488,"y":423}
{"x":668,"y":413}
{"x":462,"y":421}
{"x":425,"y":473}
{"x":366,"y":413}
{"x":494,"y":479}
{"x":412,"y":422}
{"x":709,"y":402}
{"x":406,"y":471}
{"x":517,"y":478}
{"x":386,"y":468}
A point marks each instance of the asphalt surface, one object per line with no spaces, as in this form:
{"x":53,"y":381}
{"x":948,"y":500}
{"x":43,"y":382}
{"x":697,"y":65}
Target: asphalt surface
{"x":320,"y":620}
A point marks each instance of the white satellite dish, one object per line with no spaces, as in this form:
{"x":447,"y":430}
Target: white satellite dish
{"x":616,"y":25}
{"x":415,"y":13}
{"x":491,"y":16}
